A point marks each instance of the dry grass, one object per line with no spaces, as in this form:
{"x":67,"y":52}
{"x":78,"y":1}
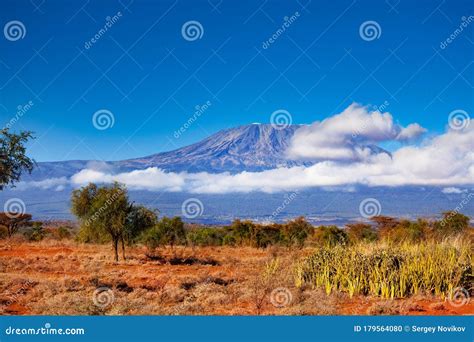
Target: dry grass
{"x":390,"y":271}
{"x":61,"y":277}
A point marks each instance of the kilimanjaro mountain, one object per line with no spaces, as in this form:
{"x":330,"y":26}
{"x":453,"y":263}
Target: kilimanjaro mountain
{"x":254,"y":147}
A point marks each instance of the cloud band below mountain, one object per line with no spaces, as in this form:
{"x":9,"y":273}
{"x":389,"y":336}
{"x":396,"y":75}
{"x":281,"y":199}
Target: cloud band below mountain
{"x":443,"y":160}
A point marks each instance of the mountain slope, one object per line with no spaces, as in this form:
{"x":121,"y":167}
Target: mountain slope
{"x":245,"y":148}
{"x":253,"y":147}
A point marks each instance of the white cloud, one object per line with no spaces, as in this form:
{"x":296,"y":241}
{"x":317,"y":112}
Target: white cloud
{"x":453,"y":190}
{"x":410,"y":132}
{"x":446,"y":160}
{"x":57,"y":183}
{"x":346,"y":136}
{"x":151,"y":178}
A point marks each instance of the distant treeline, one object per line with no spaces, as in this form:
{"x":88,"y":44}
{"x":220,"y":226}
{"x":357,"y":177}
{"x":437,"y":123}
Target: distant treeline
{"x":106,"y":215}
{"x":299,"y":232}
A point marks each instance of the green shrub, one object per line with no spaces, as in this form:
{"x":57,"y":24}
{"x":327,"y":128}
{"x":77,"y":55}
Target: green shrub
{"x":330,"y":236}
{"x":243,"y":232}
{"x":153,"y":237}
{"x":205,"y":236}
{"x":263,"y":236}
{"x":361,"y":232}
{"x":452,"y":223}
{"x":296,"y":232}
{"x":63,"y":232}
{"x":168,"y":231}
{"x":407,"y":230}
{"x":36,"y":232}
{"x":138,"y":220}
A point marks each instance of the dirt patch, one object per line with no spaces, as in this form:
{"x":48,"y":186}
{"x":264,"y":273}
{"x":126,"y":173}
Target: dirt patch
{"x":192,"y":261}
{"x":60,"y":278}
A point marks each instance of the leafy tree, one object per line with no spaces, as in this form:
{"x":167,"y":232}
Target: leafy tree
{"x":139,"y":219}
{"x":81,"y":206}
{"x":168,"y":231}
{"x":243,"y":232}
{"x":205,"y":236}
{"x":407,"y":230}
{"x":330,"y":236}
{"x":153,"y":237}
{"x":452,"y":223}
{"x":267,"y":236}
{"x":384,"y":222}
{"x":173,"y":230}
{"x":14,"y":221}
{"x":13,"y":159}
{"x":361,"y":232}
{"x":296,"y":232}
{"x":103,"y":210}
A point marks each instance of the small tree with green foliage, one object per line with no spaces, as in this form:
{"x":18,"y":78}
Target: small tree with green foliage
{"x":330,"y":236}
{"x":358,"y":232}
{"x":205,"y":236}
{"x":407,"y":231}
{"x":13,"y":158}
{"x":267,"y":236}
{"x":296,"y":232}
{"x":243,"y":232}
{"x":452,"y":223}
{"x":139,"y":219}
{"x":36,"y":233}
{"x":168,"y":231}
{"x":103,"y":211}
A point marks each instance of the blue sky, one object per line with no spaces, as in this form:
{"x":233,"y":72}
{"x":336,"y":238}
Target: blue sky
{"x":144,"y":72}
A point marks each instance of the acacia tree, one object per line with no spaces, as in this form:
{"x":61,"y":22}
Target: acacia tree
{"x":14,"y":221}
{"x":168,"y":231}
{"x":13,"y":158}
{"x":139,"y":219}
{"x":103,"y":210}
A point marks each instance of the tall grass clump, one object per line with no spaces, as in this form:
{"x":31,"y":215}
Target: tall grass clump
{"x":389,"y":270}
